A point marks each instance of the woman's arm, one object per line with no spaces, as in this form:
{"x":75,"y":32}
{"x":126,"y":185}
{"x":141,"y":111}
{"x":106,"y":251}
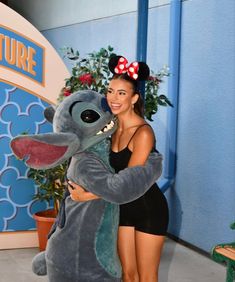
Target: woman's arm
{"x":141,"y":145}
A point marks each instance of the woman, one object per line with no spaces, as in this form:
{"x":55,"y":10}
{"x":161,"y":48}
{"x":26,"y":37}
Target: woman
{"x":143,"y":222}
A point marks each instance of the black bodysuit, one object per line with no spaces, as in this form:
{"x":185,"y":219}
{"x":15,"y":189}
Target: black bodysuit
{"x":149,"y":213}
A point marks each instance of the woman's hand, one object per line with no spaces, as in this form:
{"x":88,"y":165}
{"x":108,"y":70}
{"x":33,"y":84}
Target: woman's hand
{"x":79,"y":194}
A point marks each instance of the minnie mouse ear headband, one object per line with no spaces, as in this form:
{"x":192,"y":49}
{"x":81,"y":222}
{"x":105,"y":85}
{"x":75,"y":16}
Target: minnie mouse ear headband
{"x":136,"y":70}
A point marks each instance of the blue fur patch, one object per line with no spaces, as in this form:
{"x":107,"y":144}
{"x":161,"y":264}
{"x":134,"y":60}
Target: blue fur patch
{"x":106,"y":236}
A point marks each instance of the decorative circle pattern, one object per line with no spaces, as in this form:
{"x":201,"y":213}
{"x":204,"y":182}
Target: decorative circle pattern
{"x":20,"y":112}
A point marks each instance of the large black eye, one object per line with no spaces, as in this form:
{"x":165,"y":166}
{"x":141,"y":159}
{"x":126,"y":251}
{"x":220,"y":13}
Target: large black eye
{"x":89,"y":116}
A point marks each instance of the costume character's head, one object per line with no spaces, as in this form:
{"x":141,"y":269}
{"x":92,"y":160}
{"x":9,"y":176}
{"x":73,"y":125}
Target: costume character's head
{"x":79,"y":122}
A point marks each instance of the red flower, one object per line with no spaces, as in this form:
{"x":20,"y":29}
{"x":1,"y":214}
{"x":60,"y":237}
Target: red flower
{"x":150,"y":77}
{"x":86,"y":79}
{"x":66,"y":92}
{"x":155,"y":79}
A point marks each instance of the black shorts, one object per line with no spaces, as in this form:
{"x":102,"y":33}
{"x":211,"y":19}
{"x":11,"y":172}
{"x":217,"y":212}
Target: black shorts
{"x":148,"y":214}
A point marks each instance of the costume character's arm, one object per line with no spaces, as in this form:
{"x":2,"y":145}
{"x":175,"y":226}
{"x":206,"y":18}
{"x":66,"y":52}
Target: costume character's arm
{"x":125,"y":186}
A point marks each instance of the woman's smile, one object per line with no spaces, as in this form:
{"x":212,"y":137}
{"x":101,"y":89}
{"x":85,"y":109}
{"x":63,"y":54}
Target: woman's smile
{"x":120,"y":96}
{"x":115,"y":106}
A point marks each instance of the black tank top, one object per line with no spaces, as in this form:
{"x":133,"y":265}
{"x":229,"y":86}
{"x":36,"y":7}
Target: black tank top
{"x":119,"y":160}
{"x":149,"y":213}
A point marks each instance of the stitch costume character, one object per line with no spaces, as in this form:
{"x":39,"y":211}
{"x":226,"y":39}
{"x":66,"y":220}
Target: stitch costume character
{"x":83,"y":247}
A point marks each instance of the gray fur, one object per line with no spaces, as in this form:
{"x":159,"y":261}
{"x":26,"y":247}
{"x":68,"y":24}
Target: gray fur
{"x":84,"y":249}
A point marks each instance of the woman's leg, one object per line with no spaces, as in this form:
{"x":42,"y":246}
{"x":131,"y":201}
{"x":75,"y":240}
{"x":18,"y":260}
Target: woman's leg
{"x":127,"y":253}
{"x":148,"y":254}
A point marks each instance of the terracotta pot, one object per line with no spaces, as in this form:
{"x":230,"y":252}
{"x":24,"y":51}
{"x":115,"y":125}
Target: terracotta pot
{"x":44,"y":222}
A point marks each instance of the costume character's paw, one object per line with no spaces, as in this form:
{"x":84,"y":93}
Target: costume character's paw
{"x":39,"y":266}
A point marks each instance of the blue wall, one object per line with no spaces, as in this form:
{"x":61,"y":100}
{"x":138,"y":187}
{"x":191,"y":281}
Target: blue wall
{"x":203,"y":199}
{"x":202,"y":202}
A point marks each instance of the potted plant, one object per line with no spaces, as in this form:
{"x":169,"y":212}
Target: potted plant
{"x":90,"y":72}
{"x":51,"y":185}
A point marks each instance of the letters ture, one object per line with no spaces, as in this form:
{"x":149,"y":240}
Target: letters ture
{"x":16,"y":53}
{"x":21,"y":55}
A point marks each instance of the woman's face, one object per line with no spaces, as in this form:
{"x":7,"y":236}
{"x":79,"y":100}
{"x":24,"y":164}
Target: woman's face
{"x":120,"y":96}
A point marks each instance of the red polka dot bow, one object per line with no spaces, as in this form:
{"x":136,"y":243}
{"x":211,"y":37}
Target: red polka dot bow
{"x":122,"y":67}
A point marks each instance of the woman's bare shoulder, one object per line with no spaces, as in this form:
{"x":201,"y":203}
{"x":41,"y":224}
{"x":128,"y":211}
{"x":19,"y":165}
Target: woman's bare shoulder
{"x":144,"y":130}
{"x":144,"y":136}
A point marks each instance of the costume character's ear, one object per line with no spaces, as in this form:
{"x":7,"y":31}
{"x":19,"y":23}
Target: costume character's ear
{"x":49,"y":114}
{"x":45,"y":151}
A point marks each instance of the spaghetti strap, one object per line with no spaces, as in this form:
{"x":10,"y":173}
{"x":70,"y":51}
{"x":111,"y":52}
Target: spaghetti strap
{"x":136,"y":131}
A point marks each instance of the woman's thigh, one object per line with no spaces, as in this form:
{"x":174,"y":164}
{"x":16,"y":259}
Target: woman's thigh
{"x":126,"y":248}
{"x":148,"y":251}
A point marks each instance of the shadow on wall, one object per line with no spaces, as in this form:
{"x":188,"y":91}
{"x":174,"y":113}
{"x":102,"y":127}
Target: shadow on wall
{"x":175,"y":212}
{"x":175,"y":221}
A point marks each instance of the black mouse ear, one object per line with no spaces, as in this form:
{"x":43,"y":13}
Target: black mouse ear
{"x":113,"y":62}
{"x":143,"y":72}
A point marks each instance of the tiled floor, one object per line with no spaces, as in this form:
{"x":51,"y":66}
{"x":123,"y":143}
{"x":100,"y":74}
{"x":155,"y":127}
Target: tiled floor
{"x":179,"y":264}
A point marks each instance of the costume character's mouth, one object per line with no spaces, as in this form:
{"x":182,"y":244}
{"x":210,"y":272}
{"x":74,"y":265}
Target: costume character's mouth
{"x":107,"y":127}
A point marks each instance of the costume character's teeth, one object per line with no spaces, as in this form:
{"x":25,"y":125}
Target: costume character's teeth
{"x":106,"y":128}
{"x":109,"y":126}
